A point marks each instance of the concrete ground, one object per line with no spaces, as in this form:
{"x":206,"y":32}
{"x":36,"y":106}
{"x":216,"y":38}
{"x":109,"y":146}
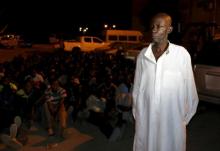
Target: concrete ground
{"x":203,"y":134}
{"x":204,"y":128}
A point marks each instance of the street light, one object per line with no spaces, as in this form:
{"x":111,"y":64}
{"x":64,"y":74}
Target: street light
{"x":106,"y":26}
{"x":83,"y":29}
{"x":80,"y":28}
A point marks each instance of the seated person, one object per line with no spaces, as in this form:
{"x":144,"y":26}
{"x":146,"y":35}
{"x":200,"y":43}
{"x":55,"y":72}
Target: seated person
{"x":124,"y":102}
{"x":9,"y":134}
{"x":10,"y":122}
{"x":54,"y":108}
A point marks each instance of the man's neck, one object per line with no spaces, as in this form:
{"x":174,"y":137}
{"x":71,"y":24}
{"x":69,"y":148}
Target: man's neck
{"x":160,"y":47}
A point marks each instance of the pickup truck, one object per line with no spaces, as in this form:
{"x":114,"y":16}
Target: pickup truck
{"x":207,"y":73}
{"x":85,"y":43}
{"x":9,"y":41}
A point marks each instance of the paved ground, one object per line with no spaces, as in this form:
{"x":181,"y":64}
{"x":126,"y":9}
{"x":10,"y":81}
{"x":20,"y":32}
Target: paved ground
{"x":204,"y":128}
{"x":203,"y":132}
{"x":39,"y":141}
{"x":80,"y":137}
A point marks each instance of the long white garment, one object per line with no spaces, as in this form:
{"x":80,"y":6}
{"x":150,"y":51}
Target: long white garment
{"x":164,"y":99}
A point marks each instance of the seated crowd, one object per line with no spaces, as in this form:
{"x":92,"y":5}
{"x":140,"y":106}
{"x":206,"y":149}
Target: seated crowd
{"x":52,"y":89}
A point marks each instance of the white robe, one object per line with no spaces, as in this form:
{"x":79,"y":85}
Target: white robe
{"x":164,"y":99}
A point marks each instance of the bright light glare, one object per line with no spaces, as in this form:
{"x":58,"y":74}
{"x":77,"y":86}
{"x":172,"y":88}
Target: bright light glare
{"x":84,"y":30}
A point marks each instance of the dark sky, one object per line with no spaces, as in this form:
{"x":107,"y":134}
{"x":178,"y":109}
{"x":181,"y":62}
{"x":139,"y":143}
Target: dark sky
{"x":42,"y":16}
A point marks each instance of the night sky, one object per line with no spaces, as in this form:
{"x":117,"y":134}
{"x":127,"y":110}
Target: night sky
{"x":35,"y":17}
{"x":40,"y":18}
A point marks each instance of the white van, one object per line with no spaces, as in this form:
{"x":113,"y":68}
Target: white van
{"x":125,"y":36}
{"x":125,"y":39}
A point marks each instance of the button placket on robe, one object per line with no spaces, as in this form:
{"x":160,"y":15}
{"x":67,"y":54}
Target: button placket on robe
{"x":158,"y":80}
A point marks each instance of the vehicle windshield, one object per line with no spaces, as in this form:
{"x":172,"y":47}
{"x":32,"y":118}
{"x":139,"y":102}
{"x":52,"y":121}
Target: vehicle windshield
{"x":96,"y":40}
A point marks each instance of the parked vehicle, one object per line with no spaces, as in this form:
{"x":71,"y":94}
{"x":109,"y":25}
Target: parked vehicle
{"x":13,"y":41}
{"x":207,"y":72}
{"x":125,"y":39}
{"x":125,"y":36}
{"x":85,"y":43}
{"x":25,"y":43}
{"x":9,"y":41}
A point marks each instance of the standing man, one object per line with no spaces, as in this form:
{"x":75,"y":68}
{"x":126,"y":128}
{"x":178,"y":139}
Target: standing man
{"x":164,"y":93}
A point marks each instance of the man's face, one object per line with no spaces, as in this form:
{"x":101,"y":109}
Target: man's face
{"x":160,"y":29}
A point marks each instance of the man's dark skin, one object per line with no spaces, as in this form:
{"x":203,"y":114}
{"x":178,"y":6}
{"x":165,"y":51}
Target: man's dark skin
{"x":160,"y":28}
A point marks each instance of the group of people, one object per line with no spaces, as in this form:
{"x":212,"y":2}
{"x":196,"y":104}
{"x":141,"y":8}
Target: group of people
{"x":51,"y":89}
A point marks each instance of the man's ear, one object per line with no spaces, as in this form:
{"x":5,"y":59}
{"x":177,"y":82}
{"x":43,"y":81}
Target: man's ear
{"x":170,"y":29}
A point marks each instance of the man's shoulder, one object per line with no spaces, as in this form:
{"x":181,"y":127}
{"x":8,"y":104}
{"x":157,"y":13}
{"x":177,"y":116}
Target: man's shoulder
{"x":143,"y":51}
{"x":179,"y":52}
{"x":178,"y":48}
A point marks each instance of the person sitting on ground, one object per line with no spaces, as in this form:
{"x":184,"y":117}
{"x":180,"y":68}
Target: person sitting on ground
{"x":54,"y":107}
{"x":9,"y":135}
{"x":8,"y":114}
